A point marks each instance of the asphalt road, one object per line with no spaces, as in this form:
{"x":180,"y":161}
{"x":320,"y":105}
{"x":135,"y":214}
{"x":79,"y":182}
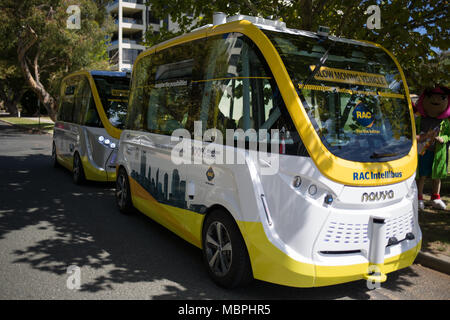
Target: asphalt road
{"x":48,"y":224}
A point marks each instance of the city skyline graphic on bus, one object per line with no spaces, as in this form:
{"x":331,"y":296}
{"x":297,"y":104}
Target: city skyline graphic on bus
{"x":173,"y":193}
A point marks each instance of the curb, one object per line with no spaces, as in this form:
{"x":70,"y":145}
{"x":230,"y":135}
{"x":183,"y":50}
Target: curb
{"x":437,"y":262}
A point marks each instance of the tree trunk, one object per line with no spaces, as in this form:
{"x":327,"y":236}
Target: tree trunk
{"x":12,"y":109}
{"x":23,"y":46}
{"x":306,"y":14}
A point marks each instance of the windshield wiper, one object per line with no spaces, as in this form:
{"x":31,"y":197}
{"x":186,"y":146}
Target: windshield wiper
{"x":383,"y":155}
{"x":319,"y":64}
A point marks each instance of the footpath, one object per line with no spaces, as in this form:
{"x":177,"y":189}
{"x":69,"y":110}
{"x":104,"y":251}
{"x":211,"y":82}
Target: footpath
{"x":435,"y":224}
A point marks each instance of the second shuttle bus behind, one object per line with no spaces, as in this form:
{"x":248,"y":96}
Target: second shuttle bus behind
{"x":92,"y":111}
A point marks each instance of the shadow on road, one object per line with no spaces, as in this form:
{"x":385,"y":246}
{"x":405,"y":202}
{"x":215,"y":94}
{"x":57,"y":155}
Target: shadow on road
{"x":88,"y":231}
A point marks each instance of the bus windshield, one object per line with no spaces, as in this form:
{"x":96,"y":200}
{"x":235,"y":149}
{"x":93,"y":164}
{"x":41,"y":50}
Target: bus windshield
{"x":113,"y":92}
{"x":356,"y":100}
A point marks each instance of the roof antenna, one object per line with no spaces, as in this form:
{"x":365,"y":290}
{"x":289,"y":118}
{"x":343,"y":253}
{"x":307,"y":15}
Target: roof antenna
{"x":323,"y":31}
{"x":219,"y":18}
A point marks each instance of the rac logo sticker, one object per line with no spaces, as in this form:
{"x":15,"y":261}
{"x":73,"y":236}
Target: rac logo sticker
{"x":210,"y":174}
{"x":363,"y":116}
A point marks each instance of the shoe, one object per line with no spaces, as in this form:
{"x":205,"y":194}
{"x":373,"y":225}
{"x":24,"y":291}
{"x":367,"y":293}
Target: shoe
{"x":421,"y":205}
{"x":438,"y":204}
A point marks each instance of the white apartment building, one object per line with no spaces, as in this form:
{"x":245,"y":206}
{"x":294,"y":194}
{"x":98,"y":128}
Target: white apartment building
{"x":132,"y":18}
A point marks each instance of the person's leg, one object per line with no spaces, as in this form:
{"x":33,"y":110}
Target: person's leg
{"x":425,"y":165}
{"x":436,"y":186}
{"x":436,"y":197}
{"x":420,"y":185}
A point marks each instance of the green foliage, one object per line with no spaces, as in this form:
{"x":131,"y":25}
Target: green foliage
{"x":55,"y":50}
{"x":410,"y":29}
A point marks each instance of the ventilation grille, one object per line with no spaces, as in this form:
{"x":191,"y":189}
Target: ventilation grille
{"x":400,"y":226}
{"x":353,"y":233}
{"x":356,"y":233}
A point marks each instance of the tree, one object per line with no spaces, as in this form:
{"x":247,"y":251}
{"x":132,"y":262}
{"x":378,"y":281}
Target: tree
{"x":413,"y":30}
{"x":46,"y":49}
{"x":11,"y":85}
{"x":11,"y":78}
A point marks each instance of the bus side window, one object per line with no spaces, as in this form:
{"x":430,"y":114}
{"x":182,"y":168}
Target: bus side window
{"x":221,"y":106}
{"x":171,"y":94}
{"x":151,"y":120}
{"x":240,"y":92}
{"x":78,"y":103}
{"x":139,"y":94}
{"x":237,"y":89}
{"x":234,"y":87}
{"x":68,"y":100}
{"x":90,"y":116}
{"x":61,"y":100}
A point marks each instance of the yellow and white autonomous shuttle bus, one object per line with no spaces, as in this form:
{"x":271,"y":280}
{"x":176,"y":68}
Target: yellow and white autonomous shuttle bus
{"x":91,"y":114}
{"x":340,"y":203}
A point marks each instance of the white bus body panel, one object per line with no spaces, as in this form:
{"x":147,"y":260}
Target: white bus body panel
{"x":299,"y":224}
{"x":70,"y":138}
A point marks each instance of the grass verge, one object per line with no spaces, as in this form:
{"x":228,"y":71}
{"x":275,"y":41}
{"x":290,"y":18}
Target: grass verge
{"x":31,"y":124}
{"x":435,"y":224}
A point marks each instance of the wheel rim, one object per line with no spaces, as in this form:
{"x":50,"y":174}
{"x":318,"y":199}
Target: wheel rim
{"x":218,"y":249}
{"x":76,"y":168}
{"x":53,"y":153}
{"x":121,"y":192}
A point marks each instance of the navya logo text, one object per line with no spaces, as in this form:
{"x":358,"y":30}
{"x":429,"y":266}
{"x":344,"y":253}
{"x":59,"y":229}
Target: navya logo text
{"x":376,"y":196}
{"x":369,"y":175}
{"x":363,"y":116}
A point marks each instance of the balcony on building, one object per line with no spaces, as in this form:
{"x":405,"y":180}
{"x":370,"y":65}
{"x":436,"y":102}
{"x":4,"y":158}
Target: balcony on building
{"x":128,"y":6}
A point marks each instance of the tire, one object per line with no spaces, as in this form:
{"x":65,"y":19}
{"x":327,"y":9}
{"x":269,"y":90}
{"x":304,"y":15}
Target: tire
{"x":54,"y":159}
{"x":78,"y":171}
{"x":225,"y":256}
{"x":123,"y":193}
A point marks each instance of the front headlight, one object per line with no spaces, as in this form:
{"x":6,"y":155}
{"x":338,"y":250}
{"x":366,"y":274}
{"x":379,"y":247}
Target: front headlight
{"x":106,"y":142}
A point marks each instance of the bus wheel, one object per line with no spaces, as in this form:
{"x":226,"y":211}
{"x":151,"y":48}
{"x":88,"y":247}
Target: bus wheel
{"x":123,"y":194}
{"x":78,"y":172}
{"x":54,"y":160}
{"x":224,"y":252}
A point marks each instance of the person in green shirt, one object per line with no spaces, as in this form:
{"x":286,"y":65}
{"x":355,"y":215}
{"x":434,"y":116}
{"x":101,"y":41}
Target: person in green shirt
{"x":433,"y":128}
